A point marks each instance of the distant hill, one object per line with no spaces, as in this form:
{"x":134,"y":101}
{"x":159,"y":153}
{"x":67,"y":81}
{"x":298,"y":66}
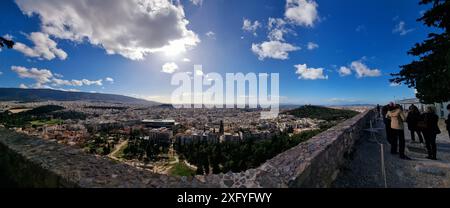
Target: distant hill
{"x":30,"y":95}
{"x":322,"y":113}
{"x":168,"y":106}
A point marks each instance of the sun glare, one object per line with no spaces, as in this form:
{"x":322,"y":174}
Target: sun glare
{"x":175,"y":48}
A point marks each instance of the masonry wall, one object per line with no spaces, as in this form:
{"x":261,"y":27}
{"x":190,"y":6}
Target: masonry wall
{"x":32,"y":162}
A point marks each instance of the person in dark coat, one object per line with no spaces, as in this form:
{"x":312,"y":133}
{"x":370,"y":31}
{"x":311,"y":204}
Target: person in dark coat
{"x":378,"y":110}
{"x":412,"y":119}
{"x":448,"y":120}
{"x":431,"y":130}
{"x":387,"y":121}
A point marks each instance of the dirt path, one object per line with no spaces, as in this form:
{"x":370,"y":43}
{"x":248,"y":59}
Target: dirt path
{"x":117,"y":149}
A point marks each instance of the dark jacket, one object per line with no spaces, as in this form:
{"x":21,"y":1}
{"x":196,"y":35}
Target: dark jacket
{"x":448,"y":122}
{"x":412,"y":119}
{"x":384,"y":111}
{"x":431,"y":121}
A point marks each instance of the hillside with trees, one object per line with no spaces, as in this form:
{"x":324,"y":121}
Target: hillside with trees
{"x":47,"y":114}
{"x":322,"y":113}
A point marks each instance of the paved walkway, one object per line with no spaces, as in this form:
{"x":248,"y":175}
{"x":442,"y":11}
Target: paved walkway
{"x":364,"y":170}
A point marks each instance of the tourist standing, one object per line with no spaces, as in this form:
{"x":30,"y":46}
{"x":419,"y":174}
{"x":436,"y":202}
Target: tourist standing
{"x":398,"y":134}
{"x":387,"y":121}
{"x":431,"y":129}
{"x":412,"y":119}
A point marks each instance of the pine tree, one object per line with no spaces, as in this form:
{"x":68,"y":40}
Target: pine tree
{"x":430,"y":74}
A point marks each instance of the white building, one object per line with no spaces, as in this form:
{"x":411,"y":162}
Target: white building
{"x":441,"y":108}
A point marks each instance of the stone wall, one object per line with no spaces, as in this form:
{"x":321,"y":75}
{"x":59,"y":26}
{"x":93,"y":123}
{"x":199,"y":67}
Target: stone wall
{"x":32,"y":162}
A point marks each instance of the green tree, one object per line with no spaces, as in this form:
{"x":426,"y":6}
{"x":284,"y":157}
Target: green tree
{"x":5,"y":42}
{"x":430,"y":74}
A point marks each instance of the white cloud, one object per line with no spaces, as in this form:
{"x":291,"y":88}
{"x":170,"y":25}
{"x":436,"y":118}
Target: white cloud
{"x":44,"y":77}
{"x":186,"y":60}
{"x":250,"y":27}
{"x":312,"y":46}
{"x":133,"y":28}
{"x":344,"y":71}
{"x":301,"y":12}
{"x":72,"y":90}
{"x":363,"y":70}
{"x":169,"y":68}
{"x":275,"y":23}
{"x":309,"y":73}
{"x":197,"y":2}
{"x":400,"y":28}
{"x":211,"y":34}
{"x":1,"y":73}
{"x":44,"y":47}
{"x":58,"y":75}
{"x":41,"y":76}
{"x":23,"y":86}
{"x":298,"y":12}
{"x":276,"y":35}
{"x":61,"y":82}
{"x":273,"y":49}
{"x":76,"y":83}
{"x":393,"y":84}
{"x":95,"y":82}
{"x":110,"y":80}
{"x":277,"y":29}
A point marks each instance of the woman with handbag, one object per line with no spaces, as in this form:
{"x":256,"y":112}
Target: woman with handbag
{"x":430,"y":130}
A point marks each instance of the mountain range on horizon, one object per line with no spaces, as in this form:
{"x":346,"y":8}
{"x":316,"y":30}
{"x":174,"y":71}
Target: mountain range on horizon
{"x":29,"y":95}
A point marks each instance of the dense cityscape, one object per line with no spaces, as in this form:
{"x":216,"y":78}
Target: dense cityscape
{"x":163,"y":139}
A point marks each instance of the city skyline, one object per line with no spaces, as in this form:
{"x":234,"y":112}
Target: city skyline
{"x":323,"y":54}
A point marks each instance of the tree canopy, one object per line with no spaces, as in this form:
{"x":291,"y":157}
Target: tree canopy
{"x":430,"y":73}
{"x":5,"y":42}
{"x":322,"y":113}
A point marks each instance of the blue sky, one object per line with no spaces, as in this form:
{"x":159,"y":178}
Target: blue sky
{"x":369,"y":37}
